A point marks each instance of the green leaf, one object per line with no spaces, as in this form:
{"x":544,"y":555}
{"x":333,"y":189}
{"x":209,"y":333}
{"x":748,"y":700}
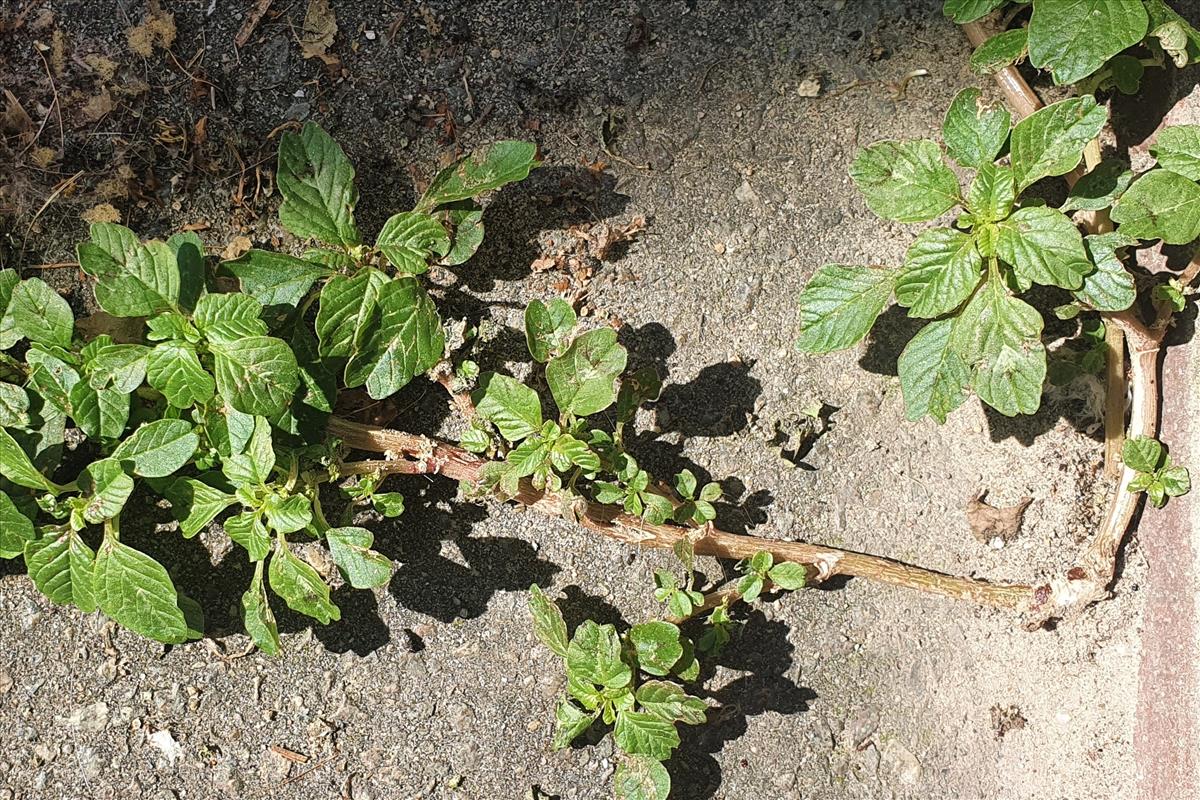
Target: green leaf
{"x":247,"y":529}
{"x":467,"y":224}
{"x":99,"y":414}
{"x":174,"y":369}
{"x":1176,"y":481}
{"x":196,"y":503}
{"x":486,"y":169}
{"x":1099,"y":188}
{"x":1143,"y":453}
{"x":941,"y":269}
{"x":299,"y":585}
{"x":389,"y":504}
{"x":40,"y":314}
{"x":669,"y":702}
{"x":1000,"y":337}
{"x":121,"y":367}
{"x":15,"y":529}
{"x":346,"y":305}
{"x":289,"y":514}
{"x":969,"y":10}
{"x":9,"y":335}
{"x":409,"y":238}
{"x":508,"y":404}
{"x":657,"y":645}
{"x":570,"y":721}
{"x":157,"y":449}
{"x":132,"y":279}
{"x":52,"y":378}
{"x":1050,"y":141}
{"x":788,"y":575}
{"x":1074,"y":38}
{"x":257,"y":615}
{"x":276,"y":279}
{"x":1177,"y":149}
{"x":547,"y":327}
{"x":643,"y":734}
{"x":1044,"y":247}
{"x":568,"y":451}
{"x":225,"y":318}
{"x":933,"y":376}
{"x":528,"y":456}
{"x":1111,"y":287}
{"x":548,"y":624}
{"x":256,"y":375}
{"x":1160,"y":205}
{"x":906,"y":181}
{"x":14,"y":406}
{"x":992,"y":193}
{"x":582,"y":378}
{"x":317,"y":183}
{"x":106,"y":487}
{"x":252,"y":465}
{"x":351,"y":550}
{"x":62,"y":568}
{"x":594,"y":654}
{"x":1000,"y":51}
{"x":973,"y":131}
{"x":403,"y":337}
{"x":750,"y":587}
{"x":640,"y":778}
{"x":1125,"y":72}
{"x":1178,"y":39}
{"x":135,"y":590}
{"x":17,"y":467}
{"x":840,"y":304}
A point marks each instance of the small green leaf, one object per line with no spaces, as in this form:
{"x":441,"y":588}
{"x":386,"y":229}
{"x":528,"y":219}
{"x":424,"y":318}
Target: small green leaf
{"x":992,"y":193}
{"x":582,"y":378}
{"x":1160,"y":205}
{"x":62,"y":567}
{"x":106,"y":487}
{"x":657,"y":646}
{"x":1143,"y":453}
{"x":229,"y":317}
{"x":9,"y":335}
{"x":14,"y":406}
{"x":1177,"y":148}
{"x":685,"y":484}
{"x":346,"y":306}
{"x":508,"y":404}
{"x":1111,"y":287}
{"x":257,"y":615}
{"x":669,"y":702}
{"x":135,"y":590}
{"x":840,"y":304}
{"x":482,"y":171}
{"x":289,"y":514}
{"x":999,"y":336}
{"x":133,"y":279}
{"x":906,"y":181}
{"x":256,"y":375}
{"x":569,"y":722}
{"x":252,"y":465}
{"x":973,"y":131}
{"x":299,"y":585}
{"x":276,"y":279}
{"x":594,"y":654}
{"x":248,"y":530}
{"x":1044,"y":247}
{"x":17,"y":467}
{"x":317,"y":183}
{"x":1000,"y":51}
{"x":389,"y":504}
{"x":15,"y":528}
{"x":1074,"y":38}
{"x":933,"y":376}
{"x":189,"y":259}
{"x":465,"y":219}
{"x":1178,"y":39}
{"x":643,"y":734}
{"x":174,"y":369}
{"x":361,"y":566}
{"x":788,"y":575}
{"x":750,"y":587}
{"x":760,"y":562}
{"x":41,"y":314}
{"x":409,"y":238}
{"x":1050,"y":141}
{"x":401,"y":338}
{"x":1176,"y":481}
{"x":196,"y":503}
{"x":118,"y":366}
{"x":547,"y":326}
{"x":969,"y":10}
{"x":99,"y":414}
{"x":941,"y":269}
{"x":1099,"y":188}
{"x":548,"y":624}
{"x":639,"y":778}
{"x":157,"y":449}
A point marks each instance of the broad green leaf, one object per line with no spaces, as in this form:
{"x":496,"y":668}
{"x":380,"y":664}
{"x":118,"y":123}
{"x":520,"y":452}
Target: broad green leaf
{"x":933,"y":376}
{"x":1111,"y":287}
{"x":402,"y":338}
{"x":257,"y":615}
{"x":974,"y":132}
{"x":361,"y":566}
{"x":61,"y":567}
{"x":750,"y":587}
{"x":14,"y":406}
{"x":547,"y":326}
{"x":16,"y":529}
{"x":17,"y":467}
{"x":905,"y":180}
{"x":1160,"y":205}
{"x":657,"y":645}
{"x":667,"y":701}
{"x":643,"y":734}
{"x":134,"y":589}
{"x":466,"y":221}
{"x":1000,"y":51}
{"x":594,"y":654}
{"x":288,"y":515}
{"x":121,"y":367}
{"x":157,"y":449}
{"x":132,"y":279}
{"x":247,"y":529}
{"x":299,"y":585}
{"x":1044,"y":247}
{"x":106,"y":487}
{"x":1178,"y":39}
{"x":276,"y":279}
{"x":81,"y":565}
{"x":390,"y":504}
{"x":9,"y":335}
{"x":40,"y":314}
{"x":189,"y":258}
{"x":582,"y":378}
{"x":172,"y":325}
{"x":52,"y":378}
{"x":528,"y":456}
{"x":548,"y":624}
{"x":840,"y":304}
{"x":252,"y":465}
{"x":1050,"y":141}
{"x":257,"y":375}
{"x":999,"y":336}
{"x":1176,"y":481}
{"x":409,"y":238}
{"x":1099,"y":188}
{"x":174,"y":369}
{"x":100,"y":414}
{"x":346,"y":305}
{"x":317,"y":376}
{"x":1143,"y":453}
{"x":941,"y":269}
{"x":508,"y":404}
{"x":483,"y":170}
{"x":788,"y":575}
{"x":568,"y":451}
{"x":196,"y":503}
{"x":229,"y":317}
{"x":1074,"y":38}
{"x":991,"y":196}
{"x":317,"y":183}
{"x":570,"y":721}
{"x":969,"y":10}
{"x":1125,"y":72}
{"x":639,"y":778}
{"x":1177,"y":149}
